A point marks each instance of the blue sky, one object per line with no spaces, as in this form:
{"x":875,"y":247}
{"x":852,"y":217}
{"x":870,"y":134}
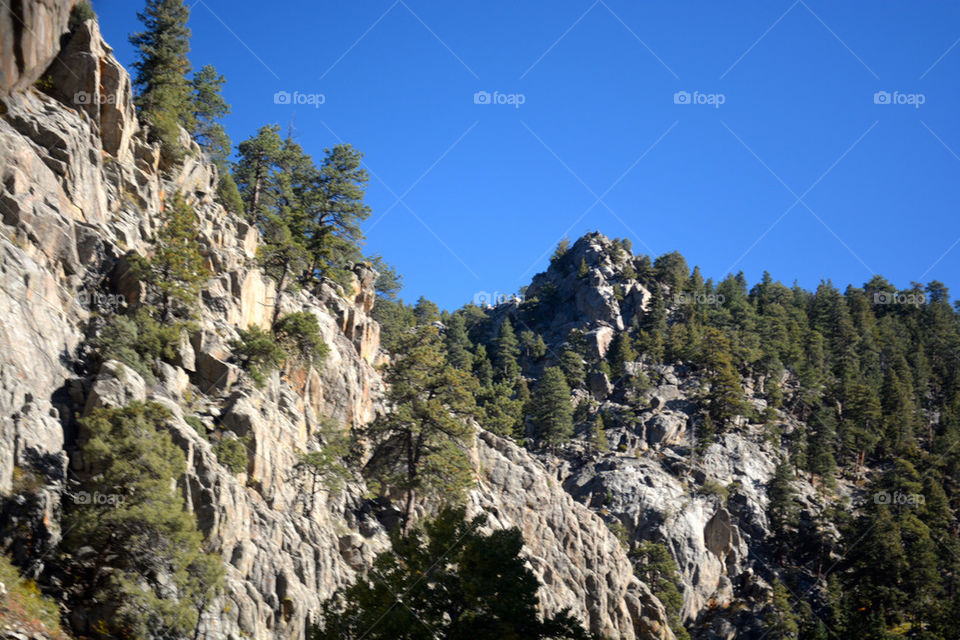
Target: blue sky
{"x":799,"y":171}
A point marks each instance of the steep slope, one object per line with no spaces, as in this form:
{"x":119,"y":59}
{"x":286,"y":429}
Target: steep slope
{"x":82,"y":189}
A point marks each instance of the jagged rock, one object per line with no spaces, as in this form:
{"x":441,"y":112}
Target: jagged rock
{"x":116,"y":385}
{"x":599,"y":384}
{"x":88,"y":77}
{"x":213,"y":374}
{"x":29,"y":40}
{"x":577,"y":559}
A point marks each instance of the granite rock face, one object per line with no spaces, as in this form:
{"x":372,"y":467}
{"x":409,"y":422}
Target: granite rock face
{"x":81,"y":190}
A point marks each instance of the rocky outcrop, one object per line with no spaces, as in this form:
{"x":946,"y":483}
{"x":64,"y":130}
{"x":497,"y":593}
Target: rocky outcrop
{"x":606,"y":297}
{"x":579,"y":562}
{"x":29,"y":40}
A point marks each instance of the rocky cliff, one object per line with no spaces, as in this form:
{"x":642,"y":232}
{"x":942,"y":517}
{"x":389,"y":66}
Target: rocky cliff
{"x":81,"y":188}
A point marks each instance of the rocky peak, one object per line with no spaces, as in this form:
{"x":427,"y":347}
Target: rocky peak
{"x":593,"y":287}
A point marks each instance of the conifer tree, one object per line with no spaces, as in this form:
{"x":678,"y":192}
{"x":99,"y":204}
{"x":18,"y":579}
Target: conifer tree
{"x":782,"y":510}
{"x":146,"y":543}
{"x":254,"y":171}
{"x":822,"y":443}
{"x":163,"y":91}
{"x":621,"y":352}
{"x":550,"y":409}
{"x":209,"y":108}
{"x":175,"y":270}
{"x":458,"y":343}
{"x":421,"y":444}
{"x":507,"y":351}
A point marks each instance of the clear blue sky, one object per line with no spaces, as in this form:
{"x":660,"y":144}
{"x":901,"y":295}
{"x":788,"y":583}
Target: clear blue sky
{"x":487,"y":190}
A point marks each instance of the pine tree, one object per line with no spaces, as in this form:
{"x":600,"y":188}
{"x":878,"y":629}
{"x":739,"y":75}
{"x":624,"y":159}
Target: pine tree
{"x":281,"y":257}
{"x":781,"y":622}
{"x":209,"y":108}
{"x":147,"y":544}
{"x":726,"y":395}
{"x":583,"y":271}
{"x":482,"y":589}
{"x":253,"y":172}
{"x":421,"y":444}
{"x":507,"y":351}
{"x":458,"y":343}
{"x":175,"y":270}
{"x":550,"y":410}
{"x":163,"y":91}
{"x":571,"y":363}
{"x":782,"y":510}
{"x":822,"y":443}
{"x":532,"y":345}
{"x":336,"y":209}
{"x":482,"y":368}
{"x":598,"y":434}
{"x":621,"y":352}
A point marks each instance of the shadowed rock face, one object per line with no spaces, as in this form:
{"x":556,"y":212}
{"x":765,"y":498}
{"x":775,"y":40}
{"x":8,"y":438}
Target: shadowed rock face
{"x":80,"y":190}
{"x":30,"y":33}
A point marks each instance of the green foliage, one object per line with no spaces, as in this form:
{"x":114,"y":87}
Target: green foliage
{"x":146,"y":541}
{"x":298,"y":334}
{"x":583,"y":271}
{"x":310,"y":215}
{"x":572,"y":366}
{"x":395,"y":318}
{"x":507,"y":351}
{"x":421,"y":445}
{"x":175,"y":270}
{"x":232,"y":453}
{"x":389,"y":282}
{"x":458,"y":343}
{"x":197,"y":425}
{"x":562,"y":247}
{"x":163,"y":92}
{"x":780,"y":621}
{"x":621,"y":352}
{"x":281,"y":256}
{"x":550,"y":407}
{"x":228,"y":195}
{"x":209,"y":108}
{"x":654,"y":565}
{"x":782,"y":509}
{"x":258,"y":352}
{"x":80,"y":13}
{"x":456,"y":583}
{"x":137,"y":340}
{"x":23,"y":600}
{"x":326,"y":464}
